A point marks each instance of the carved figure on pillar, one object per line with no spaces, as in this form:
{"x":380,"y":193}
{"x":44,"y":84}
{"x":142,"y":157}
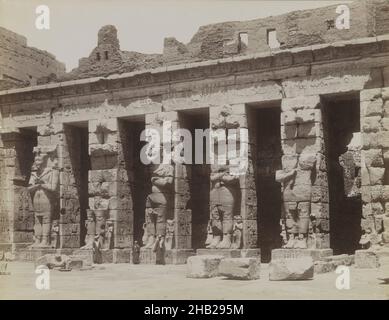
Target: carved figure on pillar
{"x":157,"y":203}
{"x":90,"y":225}
{"x":223,"y":199}
{"x":55,"y":235}
{"x":169,"y":239}
{"x":237,"y":233}
{"x":296,"y":213}
{"x":351,"y":164}
{"x":43,"y":186}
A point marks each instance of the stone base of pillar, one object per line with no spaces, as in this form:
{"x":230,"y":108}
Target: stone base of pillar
{"x":116,"y":255}
{"x":231,"y":253}
{"x":173,"y":256}
{"x":32,"y":254}
{"x":6,"y":247}
{"x":316,"y":254}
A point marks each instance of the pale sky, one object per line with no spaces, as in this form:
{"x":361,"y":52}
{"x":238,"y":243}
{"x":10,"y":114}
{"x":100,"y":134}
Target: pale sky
{"x":142,"y":25}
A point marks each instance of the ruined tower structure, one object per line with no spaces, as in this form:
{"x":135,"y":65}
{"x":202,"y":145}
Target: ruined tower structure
{"x":313,"y":98}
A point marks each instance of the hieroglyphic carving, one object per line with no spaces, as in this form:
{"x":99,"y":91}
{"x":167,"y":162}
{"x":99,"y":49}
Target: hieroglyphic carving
{"x":223,"y":199}
{"x":157,"y":202}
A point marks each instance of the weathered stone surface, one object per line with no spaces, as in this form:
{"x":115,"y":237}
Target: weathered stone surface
{"x":315,"y":254}
{"x":240,"y":268}
{"x":203,"y":266}
{"x":366,"y":259}
{"x":291,"y":269}
{"x":231,"y":253}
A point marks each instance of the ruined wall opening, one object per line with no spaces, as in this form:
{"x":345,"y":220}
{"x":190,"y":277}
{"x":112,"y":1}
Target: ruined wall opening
{"x":77,"y":145}
{"x":199,"y":177}
{"x":138,"y":173}
{"x":264,"y":127}
{"x":272,"y":41}
{"x":341,"y":120}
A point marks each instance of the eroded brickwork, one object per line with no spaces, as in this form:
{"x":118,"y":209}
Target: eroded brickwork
{"x":36,"y":63}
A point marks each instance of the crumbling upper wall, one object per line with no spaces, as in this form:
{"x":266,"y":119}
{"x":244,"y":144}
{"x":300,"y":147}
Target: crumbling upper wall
{"x":21,"y":65}
{"x":107,"y":58}
{"x":295,"y":29}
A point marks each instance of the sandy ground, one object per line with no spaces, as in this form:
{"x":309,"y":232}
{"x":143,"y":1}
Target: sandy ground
{"x":125,"y":281}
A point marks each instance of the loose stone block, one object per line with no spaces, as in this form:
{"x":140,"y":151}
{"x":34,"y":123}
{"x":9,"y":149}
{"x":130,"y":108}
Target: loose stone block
{"x":240,"y":268}
{"x":205,"y":266}
{"x":301,"y":268}
{"x":366,"y":259}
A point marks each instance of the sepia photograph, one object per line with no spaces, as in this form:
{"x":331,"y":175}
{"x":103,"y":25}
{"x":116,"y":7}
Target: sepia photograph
{"x":216,"y":150}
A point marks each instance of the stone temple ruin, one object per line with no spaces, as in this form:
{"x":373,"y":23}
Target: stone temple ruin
{"x":316,"y":106}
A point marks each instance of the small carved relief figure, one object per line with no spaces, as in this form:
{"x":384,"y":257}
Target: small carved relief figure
{"x":209,"y":239}
{"x":160,"y":249}
{"x":55,"y":235}
{"x":169,"y":242}
{"x":145,"y":236}
{"x":223,"y":198}
{"x":43,"y":186}
{"x":109,"y":236}
{"x":216,"y":228}
{"x":365,"y":241}
{"x":351,"y":164}
{"x":237,"y":233}
{"x":97,"y":257}
{"x":90,"y":225}
{"x":136,"y":253}
{"x":284,"y":237}
{"x":157,"y":202}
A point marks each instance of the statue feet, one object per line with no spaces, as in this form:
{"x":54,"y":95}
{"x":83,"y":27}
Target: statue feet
{"x":150,"y":242}
{"x":301,"y":244}
{"x":226,"y":242}
{"x":235,"y":245}
{"x":209,"y":239}
{"x":290,"y":244}
{"x":215,"y":241}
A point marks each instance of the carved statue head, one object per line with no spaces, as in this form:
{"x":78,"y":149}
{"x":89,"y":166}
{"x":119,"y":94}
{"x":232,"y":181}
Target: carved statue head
{"x":215,"y":213}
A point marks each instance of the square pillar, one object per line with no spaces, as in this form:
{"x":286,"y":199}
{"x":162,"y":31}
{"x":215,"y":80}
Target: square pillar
{"x":233,"y":199}
{"x":110,"y":199}
{"x":178,"y":216}
{"x":375,"y":167}
{"x":305,"y":210}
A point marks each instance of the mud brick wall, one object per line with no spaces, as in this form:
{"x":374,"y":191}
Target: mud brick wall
{"x":36,"y":63}
{"x":375,"y":164}
{"x":304,"y":170}
{"x":235,"y":117}
{"x":109,"y":184}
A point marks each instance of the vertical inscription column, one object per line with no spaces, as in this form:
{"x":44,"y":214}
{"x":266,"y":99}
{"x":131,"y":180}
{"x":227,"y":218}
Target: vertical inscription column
{"x":305,"y":210}
{"x":233,"y":199}
{"x":16,"y":216}
{"x":375,"y":168}
{"x":69,"y":160}
{"x":109,"y":191}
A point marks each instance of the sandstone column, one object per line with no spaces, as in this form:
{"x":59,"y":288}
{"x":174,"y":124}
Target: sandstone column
{"x":178,"y":217}
{"x":16,"y":216}
{"x":374,"y":168}
{"x":109,"y":190}
{"x":305,"y":212}
{"x":232,"y":199}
